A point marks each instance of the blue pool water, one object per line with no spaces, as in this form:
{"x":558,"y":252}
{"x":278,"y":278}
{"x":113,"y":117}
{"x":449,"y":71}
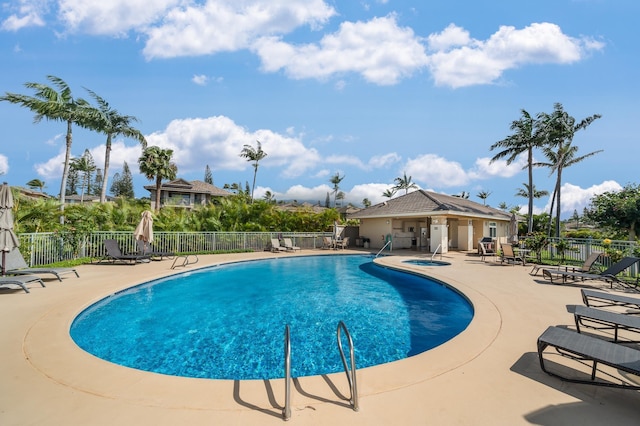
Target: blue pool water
{"x":427,"y":262}
{"x":228,"y":322}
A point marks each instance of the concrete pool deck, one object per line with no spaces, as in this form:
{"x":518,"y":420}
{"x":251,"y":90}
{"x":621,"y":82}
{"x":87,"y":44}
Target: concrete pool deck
{"x":487,"y":375}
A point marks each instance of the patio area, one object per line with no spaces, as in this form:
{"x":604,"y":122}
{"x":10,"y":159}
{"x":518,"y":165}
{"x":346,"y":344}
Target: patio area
{"x":487,"y":375}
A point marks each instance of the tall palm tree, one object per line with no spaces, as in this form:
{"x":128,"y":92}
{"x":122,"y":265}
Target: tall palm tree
{"x":109,"y":121}
{"x":389,"y":193}
{"x":483,"y":195}
{"x":523,"y":140}
{"x":557,"y":131}
{"x":155,"y":163}
{"x":335,"y":181}
{"x":36,"y":183}
{"x":524,"y":192}
{"x":405,"y":183}
{"x":563,"y":157}
{"x":85,"y":165}
{"x":255,"y":155}
{"x":57,"y":104}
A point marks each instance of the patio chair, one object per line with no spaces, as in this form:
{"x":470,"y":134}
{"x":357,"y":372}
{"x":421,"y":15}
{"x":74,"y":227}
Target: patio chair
{"x":276,"y":247}
{"x":146,"y":248}
{"x":343,"y":243}
{"x":20,"y":280}
{"x":288,"y":245}
{"x":599,"y":319}
{"x":485,"y":251}
{"x":584,"y":348}
{"x":587,"y":266}
{"x":508,"y":255}
{"x":114,"y":254}
{"x":328,"y":243}
{"x":599,"y":299}
{"x":608,"y":275}
{"x":16,"y":265}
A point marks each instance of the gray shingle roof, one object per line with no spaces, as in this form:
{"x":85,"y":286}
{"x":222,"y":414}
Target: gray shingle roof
{"x":426,"y":203}
{"x":197,"y":186}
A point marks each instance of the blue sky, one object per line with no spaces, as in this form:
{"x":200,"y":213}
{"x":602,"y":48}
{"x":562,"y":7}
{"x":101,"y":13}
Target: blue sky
{"x":367,"y":89}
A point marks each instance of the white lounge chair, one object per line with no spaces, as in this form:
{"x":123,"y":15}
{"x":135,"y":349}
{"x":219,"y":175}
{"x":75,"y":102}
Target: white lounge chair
{"x":288,"y":245}
{"x":276,"y":247}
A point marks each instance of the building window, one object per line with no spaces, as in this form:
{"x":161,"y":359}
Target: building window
{"x":493,"y":227}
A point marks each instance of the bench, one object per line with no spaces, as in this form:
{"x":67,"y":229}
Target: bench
{"x":586,"y":348}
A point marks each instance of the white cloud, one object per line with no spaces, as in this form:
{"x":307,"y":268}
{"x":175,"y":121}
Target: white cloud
{"x":383,"y":161}
{"x":52,"y":168}
{"x":200,"y":79}
{"x":436,"y":171}
{"x":379,"y":50}
{"x":573,"y":197}
{"x":229,"y":25}
{"x":457,"y":60}
{"x":218,"y":141}
{"x":26,"y":13}
{"x":113,"y":17}
{"x":484,"y":168}
{"x":4,"y":164}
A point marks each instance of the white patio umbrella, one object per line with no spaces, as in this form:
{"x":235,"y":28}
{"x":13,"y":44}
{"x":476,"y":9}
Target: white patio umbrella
{"x":144,"y":230}
{"x":8,"y":239}
{"x":513,"y":228}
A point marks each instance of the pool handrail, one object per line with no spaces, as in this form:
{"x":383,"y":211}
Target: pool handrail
{"x":383,"y":247}
{"x":436,"y":252}
{"x":351,"y":372}
{"x":286,"y":411}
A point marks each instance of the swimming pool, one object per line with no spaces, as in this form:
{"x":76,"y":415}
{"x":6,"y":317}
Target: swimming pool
{"x":227,"y":322}
{"x":427,"y":262}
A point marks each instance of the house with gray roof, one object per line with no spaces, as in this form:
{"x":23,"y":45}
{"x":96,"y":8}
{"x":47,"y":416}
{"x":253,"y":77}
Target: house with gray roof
{"x":427,"y":220}
{"x":186,"y":194}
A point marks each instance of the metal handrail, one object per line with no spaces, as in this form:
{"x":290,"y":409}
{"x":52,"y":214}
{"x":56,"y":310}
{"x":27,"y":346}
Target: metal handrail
{"x":383,"y":247}
{"x":286,"y":411}
{"x":436,"y":252}
{"x":351,"y":373}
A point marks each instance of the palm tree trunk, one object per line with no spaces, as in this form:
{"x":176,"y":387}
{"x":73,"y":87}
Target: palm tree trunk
{"x":65,"y":170}
{"x":253,"y":187}
{"x":158,"y":186}
{"x":105,"y":174}
{"x":558,"y":202}
{"x":530,"y":206}
{"x":553,"y":201}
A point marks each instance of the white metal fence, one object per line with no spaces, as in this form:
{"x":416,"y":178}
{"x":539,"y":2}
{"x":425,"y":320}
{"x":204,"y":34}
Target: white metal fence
{"x":48,"y":247}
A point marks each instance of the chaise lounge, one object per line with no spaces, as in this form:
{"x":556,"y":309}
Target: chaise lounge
{"x":608,"y":275}
{"x":509,"y":255}
{"x":587,"y":266}
{"x":288,"y":245}
{"x":276,"y":247}
{"x":583,"y":348}
{"x":146,"y":248}
{"x":114,"y":254}
{"x":16,"y":265}
{"x":21,"y":280}
{"x":599,"y":299}
{"x":599,"y":319}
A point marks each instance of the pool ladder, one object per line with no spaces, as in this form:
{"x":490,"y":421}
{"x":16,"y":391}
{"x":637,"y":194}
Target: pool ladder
{"x":351,"y":372}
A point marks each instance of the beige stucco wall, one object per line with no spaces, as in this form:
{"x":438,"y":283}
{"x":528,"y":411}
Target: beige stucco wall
{"x":375,"y":230}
